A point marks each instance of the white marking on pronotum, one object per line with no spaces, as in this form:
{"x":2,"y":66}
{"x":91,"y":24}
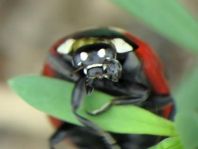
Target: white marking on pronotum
{"x":121,"y":45}
{"x":65,"y":48}
{"x":101,"y":53}
{"x":83,"y":56}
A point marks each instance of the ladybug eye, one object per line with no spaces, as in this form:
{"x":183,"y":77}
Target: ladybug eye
{"x":83,"y":56}
{"x":101,"y":53}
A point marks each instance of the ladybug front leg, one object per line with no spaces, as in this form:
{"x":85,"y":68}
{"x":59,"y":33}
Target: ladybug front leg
{"x":77,"y":97}
{"x":60,"y":134}
{"x":162,"y":100}
{"x":135,"y":99}
{"x":163,"y":104}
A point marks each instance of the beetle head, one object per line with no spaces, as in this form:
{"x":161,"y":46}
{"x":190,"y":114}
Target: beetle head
{"x":98,"y":61}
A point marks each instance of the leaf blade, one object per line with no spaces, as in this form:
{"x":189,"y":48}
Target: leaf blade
{"x":169,"y":18}
{"x":187,"y":110}
{"x":168,"y":143}
{"x":53,"y":97}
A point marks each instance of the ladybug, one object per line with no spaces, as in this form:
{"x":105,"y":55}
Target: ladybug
{"x":115,"y":62}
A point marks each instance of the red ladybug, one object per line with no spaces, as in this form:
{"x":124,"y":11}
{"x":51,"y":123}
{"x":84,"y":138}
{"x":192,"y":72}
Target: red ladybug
{"x":113,"y":61}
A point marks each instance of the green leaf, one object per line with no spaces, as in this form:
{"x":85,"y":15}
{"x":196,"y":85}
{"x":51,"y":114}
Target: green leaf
{"x":186,"y":94}
{"x":53,"y":96}
{"x":187,"y":126}
{"x":187,"y":107}
{"x":168,"y":143}
{"x":168,"y":17}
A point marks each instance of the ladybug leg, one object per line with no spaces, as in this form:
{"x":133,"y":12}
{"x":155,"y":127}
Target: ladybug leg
{"x":125,"y":100}
{"x":77,"y":96}
{"x":59,"y":135}
{"x":162,"y":100}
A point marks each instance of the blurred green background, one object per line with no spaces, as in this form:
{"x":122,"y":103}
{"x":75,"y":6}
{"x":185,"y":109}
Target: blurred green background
{"x":28,"y":28}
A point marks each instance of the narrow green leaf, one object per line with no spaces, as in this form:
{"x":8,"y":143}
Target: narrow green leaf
{"x":187,"y":107}
{"x":187,"y":94}
{"x":168,"y":143}
{"x":168,"y":17}
{"x":187,"y":126}
{"x":54,"y":96}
